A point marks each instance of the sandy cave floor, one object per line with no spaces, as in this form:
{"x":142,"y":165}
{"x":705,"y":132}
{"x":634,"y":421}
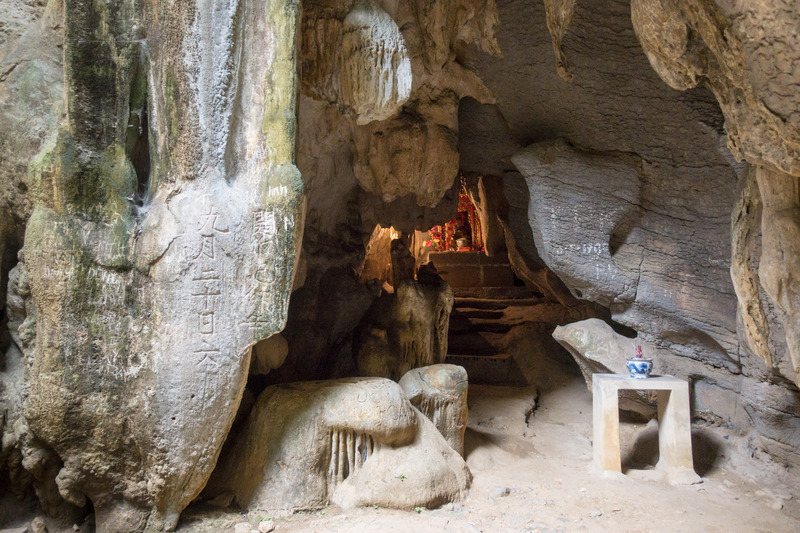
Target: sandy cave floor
{"x":532,"y":473}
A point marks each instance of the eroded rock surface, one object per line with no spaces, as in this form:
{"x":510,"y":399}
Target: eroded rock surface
{"x":354,"y":442}
{"x":356,"y":58}
{"x":602,"y":223}
{"x":160,"y":248}
{"x":440,"y":393}
{"x":648,"y":234}
{"x":406,"y":329}
{"x":744,"y":55}
{"x":31,"y":104}
{"x":392,"y":72}
{"x":149,"y":149}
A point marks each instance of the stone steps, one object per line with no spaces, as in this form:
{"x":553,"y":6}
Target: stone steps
{"x":465,"y":325}
{"x":496,"y":293}
{"x":480,"y":319}
{"x":479,"y":314}
{"x":494,"y":303}
{"x":472,"y":269}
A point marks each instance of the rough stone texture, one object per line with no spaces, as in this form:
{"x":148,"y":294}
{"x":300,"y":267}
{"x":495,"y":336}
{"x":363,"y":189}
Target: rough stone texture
{"x":378,"y":249}
{"x":408,"y":152}
{"x":750,"y":403}
{"x":21,"y":324}
{"x":175,"y":109}
{"x":406,"y":329}
{"x":31,"y":103}
{"x":398,"y":172}
{"x":371,"y":38}
{"x":24,"y":458}
{"x":512,"y":200}
{"x":482,"y":191}
{"x":269,"y":354}
{"x":354,"y":442}
{"x":440,"y":393}
{"x":745,"y":53}
{"x":403,"y":263}
{"x":602,"y":222}
{"x":320,"y":327}
{"x":359,"y":62}
{"x":15,"y":18}
{"x":745,"y":234}
{"x":559,"y":14}
{"x":613,"y":105}
{"x":779,"y":265}
{"x":160,"y":248}
{"x":669,"y":148}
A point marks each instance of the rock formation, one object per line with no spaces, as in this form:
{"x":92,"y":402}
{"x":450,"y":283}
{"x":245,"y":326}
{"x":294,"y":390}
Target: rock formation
{"x":405,"y":329}
{"x":656,"y":216}
{"x":440,"y":393}
{"x":160,"y":248}
{"x":354,"y":442}
{"x":162,"y":161}
{"x":689,"y":43}
{"x":597,"y":222}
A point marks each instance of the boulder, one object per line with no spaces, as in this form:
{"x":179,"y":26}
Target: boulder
{"x":440,"y":393}
{"x":166,"y":215}
{"x":354,"y":442}
{"x":596,"y":223}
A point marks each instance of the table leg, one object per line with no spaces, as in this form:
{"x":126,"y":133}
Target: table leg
{"x":674,"y":429}
{"x":605,"y":411}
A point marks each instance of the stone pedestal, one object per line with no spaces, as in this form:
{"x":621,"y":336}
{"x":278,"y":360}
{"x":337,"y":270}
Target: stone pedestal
{"x":674,"y":423}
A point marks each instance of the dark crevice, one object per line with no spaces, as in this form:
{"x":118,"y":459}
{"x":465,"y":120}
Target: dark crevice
{"x":8,"y":260}
{"x":604,"y":313}
{"x":531,"y":410}
{"x":622,"y":329}
{"x":137,"y":141}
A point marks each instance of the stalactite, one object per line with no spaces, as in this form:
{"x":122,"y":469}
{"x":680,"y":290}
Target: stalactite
{"x":348,"y":452}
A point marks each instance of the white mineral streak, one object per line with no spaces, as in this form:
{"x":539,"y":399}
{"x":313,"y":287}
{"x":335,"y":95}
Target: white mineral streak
{"x":211,"y":62}
{"x":376,"y":70}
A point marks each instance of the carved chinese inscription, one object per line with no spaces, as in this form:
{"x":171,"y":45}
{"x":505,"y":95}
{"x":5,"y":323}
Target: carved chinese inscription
{"x":207,"y":285}
{"x":271,"y":283}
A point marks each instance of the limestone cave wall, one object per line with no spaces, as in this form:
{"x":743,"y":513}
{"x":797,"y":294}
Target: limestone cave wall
{"x":184,"y":183}
{"x":644,"y":199}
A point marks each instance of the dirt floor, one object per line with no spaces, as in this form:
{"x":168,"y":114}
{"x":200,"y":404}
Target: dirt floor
{"x":531,"y":462}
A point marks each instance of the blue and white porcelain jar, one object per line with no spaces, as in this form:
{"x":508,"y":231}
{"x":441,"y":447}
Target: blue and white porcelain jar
{"x":640,"y":367}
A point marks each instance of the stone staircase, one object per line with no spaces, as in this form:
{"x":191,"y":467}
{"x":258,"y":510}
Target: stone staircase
{"x":480,"y":319}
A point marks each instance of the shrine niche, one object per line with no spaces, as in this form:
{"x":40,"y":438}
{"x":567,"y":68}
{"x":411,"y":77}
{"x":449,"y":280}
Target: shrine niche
{"x":457,"y":251}
{"x":462,"y":234}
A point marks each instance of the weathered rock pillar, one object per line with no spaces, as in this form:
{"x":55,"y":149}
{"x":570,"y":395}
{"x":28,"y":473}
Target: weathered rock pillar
{"x":779,"y":269}
{"x":162,"y":245}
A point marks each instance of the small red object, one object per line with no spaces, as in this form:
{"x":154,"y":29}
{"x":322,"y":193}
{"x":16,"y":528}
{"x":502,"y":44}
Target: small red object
{"x":638,"y":352}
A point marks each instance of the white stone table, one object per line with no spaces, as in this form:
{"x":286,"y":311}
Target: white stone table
{"x":674,"y":423}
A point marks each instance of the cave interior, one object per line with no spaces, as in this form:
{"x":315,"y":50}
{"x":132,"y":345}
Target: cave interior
{"x":364,"y":256}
